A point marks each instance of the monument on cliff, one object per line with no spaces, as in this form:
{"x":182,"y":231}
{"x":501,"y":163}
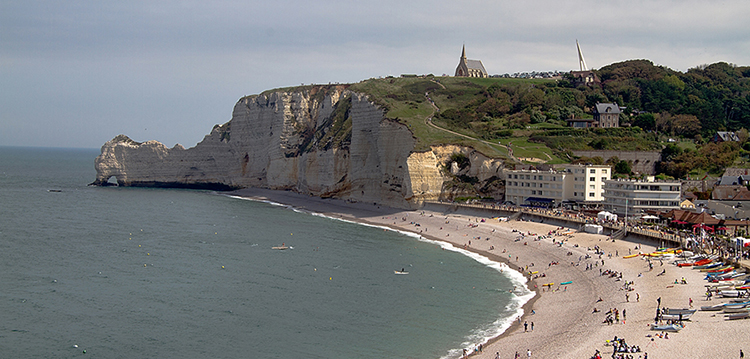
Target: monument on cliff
{"x":469,"y":68}
{"x":584,"y":76}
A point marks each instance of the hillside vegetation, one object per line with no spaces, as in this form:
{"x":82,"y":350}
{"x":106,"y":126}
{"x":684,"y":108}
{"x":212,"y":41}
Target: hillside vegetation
{"x":531,"y":115}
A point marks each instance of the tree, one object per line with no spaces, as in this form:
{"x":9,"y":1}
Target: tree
{"x":664,"y":122}
{"x":686,"y":125}
{"x":670,"y":151}
{"x":623,"y":167}
{"x":646,"y":121}
{"x":743,"y":135}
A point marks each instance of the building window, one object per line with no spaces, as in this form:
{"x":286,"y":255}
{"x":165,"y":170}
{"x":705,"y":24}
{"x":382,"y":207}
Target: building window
{"x":591,"y":194}
{"x":592,"y":179}
{"x":604,"y":170}
{"x":592,"y":171}
{"x":604,"y":179}
{"x":591,"y":186}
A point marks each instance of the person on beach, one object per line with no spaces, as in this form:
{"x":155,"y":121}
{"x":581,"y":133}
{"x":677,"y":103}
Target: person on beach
{"x":528,"y":353}
{"x":525,"y":326}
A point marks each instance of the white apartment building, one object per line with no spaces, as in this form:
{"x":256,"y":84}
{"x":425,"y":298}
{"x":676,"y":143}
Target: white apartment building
{"x":579,"y":183}
{"x":640,"y":196}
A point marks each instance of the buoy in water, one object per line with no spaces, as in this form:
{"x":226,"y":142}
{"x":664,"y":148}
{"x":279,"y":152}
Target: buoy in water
{"x":222,"y":267}
{"x":144,"y":265}
{"x":330,"y":278}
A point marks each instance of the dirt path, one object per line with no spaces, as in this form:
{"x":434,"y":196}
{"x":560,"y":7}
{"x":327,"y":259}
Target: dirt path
{"x":428,"y":122}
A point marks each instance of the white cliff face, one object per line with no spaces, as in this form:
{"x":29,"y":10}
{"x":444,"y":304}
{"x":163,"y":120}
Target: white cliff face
{"x":325,"y":142}
{"x":428,"y":177}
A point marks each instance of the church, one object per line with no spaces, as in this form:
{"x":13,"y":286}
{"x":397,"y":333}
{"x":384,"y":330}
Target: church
{"x":469,"y":68}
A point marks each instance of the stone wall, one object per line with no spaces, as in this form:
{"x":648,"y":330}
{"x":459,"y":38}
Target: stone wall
{"x":641,"y":161}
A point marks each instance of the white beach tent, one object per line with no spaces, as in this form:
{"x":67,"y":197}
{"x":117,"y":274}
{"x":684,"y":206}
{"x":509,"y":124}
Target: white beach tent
{"x":593,"y":228}
{"x":607,"y":216}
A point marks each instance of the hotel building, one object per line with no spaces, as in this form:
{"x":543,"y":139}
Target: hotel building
{"x":571,"y":183}
{"x":640,"y":196}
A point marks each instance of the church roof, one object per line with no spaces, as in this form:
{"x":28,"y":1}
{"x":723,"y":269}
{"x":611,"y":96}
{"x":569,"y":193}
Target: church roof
{"x":475,"y":65}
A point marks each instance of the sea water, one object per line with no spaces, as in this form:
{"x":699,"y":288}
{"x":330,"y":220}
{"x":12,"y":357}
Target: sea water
{"x":168,"y":273}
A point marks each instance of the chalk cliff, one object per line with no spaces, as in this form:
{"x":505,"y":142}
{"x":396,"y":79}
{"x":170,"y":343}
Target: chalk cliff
{"x":326,"y":141}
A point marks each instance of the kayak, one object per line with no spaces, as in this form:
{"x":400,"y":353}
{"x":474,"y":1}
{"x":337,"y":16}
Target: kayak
{"x":568,"y":282}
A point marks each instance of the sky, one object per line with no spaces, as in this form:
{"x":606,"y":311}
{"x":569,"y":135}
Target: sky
{"x":78,"y":73}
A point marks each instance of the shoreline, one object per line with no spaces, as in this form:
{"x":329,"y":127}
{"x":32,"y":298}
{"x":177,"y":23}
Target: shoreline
{"x":565,"y":325}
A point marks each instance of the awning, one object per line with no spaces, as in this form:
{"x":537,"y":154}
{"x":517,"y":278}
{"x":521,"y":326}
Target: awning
{"x":701,"y":225}
{"x":540,"y":200}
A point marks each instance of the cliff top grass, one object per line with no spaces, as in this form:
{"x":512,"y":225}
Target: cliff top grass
{"x":407,"y":100}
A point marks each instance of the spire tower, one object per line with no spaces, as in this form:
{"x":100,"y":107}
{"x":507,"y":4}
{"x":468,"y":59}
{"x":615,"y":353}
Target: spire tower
{"x":581,"y":61}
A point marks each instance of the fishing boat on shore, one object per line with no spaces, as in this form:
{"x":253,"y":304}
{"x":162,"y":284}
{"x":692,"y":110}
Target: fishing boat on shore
{"x":734,"y":316}
{"x":686,"y":311}
{"x":666,"y":327}
{"x":713,"y":308}
{"x":735,"y":309}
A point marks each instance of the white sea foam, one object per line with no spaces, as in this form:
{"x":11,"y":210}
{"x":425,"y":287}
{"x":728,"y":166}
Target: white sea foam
{"x":513,"y":310}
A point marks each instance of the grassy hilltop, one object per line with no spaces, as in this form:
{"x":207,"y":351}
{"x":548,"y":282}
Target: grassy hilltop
{"x":666,"y":110}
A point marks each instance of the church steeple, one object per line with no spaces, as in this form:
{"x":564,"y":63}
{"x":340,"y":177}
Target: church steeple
{"x":463,"y":53}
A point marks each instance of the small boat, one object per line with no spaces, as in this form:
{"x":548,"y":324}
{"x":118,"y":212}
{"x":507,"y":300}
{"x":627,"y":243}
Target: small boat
{"x":666,"y":327}
{"x":720,"y":269}
{"x":565,"y":283}
{"x":630,"y":256}
{"x":679,"y":311}
{"x":711,"y":308}
{"x":734,"y":316}
{"x":715,"y":268}
{"x":675,"y":317}
{"x":711,"y":263}
{"x":729,"y":293}
{"x":735,"y":309}
{"x":280,"y":247}
{"x":400,"y":272}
